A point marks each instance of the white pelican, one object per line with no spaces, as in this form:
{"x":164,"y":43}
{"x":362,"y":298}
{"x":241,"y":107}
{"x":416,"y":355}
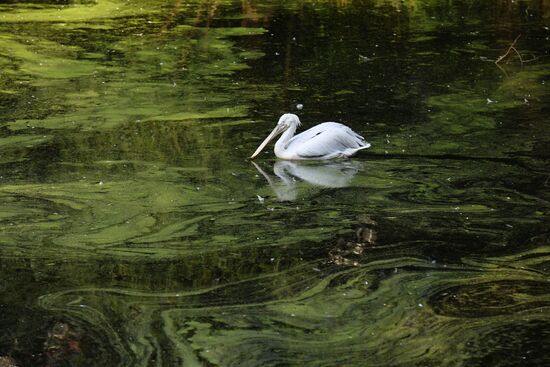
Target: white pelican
{"x":324,"y":141}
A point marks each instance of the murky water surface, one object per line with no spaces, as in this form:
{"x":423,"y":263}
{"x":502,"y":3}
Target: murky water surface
{"x":134,"y":231}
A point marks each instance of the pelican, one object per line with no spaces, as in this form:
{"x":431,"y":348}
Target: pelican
{"x":325,"y":141}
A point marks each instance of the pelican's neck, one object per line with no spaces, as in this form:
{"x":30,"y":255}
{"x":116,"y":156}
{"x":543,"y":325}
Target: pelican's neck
{"x":282,"y":143}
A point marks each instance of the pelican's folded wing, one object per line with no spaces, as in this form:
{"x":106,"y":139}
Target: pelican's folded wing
{"x":329,"y":139}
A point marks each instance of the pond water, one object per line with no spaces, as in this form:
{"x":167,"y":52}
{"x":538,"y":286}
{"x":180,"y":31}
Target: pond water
{"x":135,"y":231}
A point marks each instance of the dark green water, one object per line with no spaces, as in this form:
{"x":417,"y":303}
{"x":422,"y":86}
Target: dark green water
{"x":134,"y":231}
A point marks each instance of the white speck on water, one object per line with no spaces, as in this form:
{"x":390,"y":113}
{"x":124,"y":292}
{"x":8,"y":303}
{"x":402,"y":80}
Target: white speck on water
{"x":299,"y":106}
{"x":260,"y":199}
{"x":366,"y":282}
{"x":100,"y":183}
{"x":276,"y":54}
{"x":420,"y":305}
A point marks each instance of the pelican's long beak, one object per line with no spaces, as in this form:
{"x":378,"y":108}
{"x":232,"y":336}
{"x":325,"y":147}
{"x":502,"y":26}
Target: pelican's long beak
{"x":278,"y":129}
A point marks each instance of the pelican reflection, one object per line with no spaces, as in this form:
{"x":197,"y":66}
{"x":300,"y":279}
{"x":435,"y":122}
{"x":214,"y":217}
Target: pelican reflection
{"x":291,"y":175}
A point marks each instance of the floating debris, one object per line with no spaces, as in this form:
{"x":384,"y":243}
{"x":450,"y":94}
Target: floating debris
{"x":364,"y":58}
{"x":7,"y":362}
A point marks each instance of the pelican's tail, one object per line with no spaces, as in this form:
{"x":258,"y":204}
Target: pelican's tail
{"x":352,"y":151}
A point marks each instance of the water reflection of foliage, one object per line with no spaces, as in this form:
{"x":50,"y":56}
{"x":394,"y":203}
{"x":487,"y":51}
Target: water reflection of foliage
{"x":323,"y":308}
{"x":105,"y":98}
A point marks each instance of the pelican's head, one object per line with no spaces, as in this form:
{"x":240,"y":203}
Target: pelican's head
{"x":286,"y":121}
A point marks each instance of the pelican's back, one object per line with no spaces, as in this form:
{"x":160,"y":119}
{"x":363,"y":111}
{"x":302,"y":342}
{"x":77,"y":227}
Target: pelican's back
{"x":325,"y":141}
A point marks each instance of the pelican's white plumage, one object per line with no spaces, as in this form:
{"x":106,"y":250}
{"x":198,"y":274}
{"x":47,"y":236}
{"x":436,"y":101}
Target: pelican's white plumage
{"x":324,"y":141}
